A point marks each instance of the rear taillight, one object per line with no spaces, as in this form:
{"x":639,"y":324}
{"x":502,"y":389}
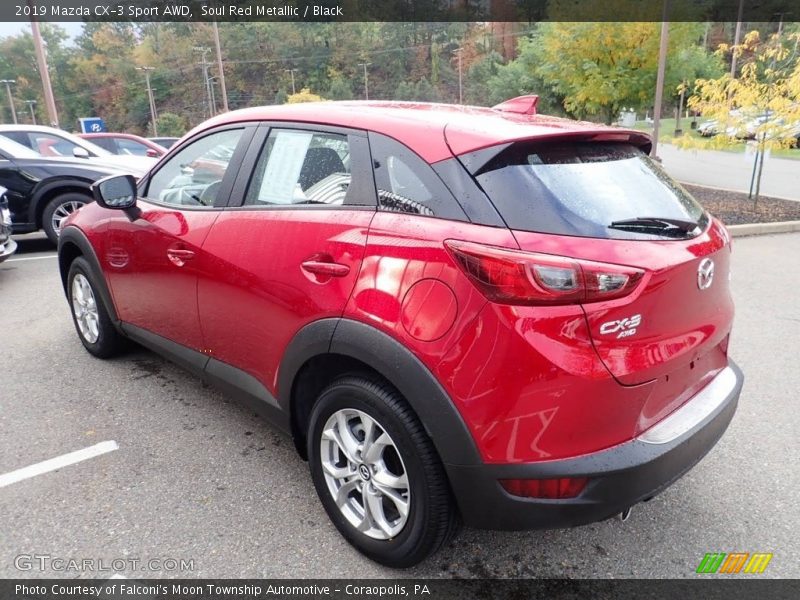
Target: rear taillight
{"x":550,"y":489}
{"x":527,"y":278}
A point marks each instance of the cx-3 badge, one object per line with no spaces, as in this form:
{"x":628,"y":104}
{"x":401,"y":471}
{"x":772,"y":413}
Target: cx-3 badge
{"x":705,"y":274}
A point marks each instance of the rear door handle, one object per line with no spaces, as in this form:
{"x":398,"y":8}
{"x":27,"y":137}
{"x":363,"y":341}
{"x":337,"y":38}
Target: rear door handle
{"x":178,"y":256}
{"x":325,"y":269}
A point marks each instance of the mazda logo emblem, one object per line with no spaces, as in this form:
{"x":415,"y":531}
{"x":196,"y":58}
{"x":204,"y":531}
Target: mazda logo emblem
{"x":364,"y":472}
{"x":705,"y":274}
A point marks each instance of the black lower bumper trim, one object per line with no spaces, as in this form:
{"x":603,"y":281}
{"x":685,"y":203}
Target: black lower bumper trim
{"x":619,"y":478}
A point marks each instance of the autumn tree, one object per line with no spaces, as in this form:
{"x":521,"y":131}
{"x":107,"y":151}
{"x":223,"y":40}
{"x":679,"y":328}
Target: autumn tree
{"x":762,"y":101}
{"x":304,"y":95}
{"x":599,"y":68}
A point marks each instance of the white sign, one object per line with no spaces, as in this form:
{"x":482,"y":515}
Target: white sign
{"x":283,"y":167}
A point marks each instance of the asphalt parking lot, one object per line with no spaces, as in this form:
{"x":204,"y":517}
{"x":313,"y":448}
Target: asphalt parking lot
{"x":196,"y":477}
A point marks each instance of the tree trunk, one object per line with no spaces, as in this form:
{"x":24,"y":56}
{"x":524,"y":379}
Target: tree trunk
{"x":758,"y":173}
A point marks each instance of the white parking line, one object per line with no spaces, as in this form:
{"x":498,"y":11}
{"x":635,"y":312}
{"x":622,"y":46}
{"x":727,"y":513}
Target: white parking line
{"x":31,"y":258}
{"x":57,"y":462}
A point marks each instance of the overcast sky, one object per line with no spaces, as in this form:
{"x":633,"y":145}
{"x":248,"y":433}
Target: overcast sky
{"x":6,"y":29}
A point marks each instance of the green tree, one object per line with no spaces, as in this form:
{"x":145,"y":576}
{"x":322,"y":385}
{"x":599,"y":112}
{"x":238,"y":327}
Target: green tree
{"x":171,"y":125}
{"x":340,"y":89}
{"x":598,"y":68}
{"x":424,"y":91}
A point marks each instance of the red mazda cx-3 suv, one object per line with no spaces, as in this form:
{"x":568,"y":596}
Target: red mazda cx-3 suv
{"x":458,"y":313}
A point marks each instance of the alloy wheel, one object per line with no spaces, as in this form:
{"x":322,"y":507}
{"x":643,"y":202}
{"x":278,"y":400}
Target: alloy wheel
{"x":365,"y":474}
{"x":61,"y":212}
{"x":84,"y":307}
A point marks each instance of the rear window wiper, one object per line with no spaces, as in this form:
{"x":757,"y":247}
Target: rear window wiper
{"x":655,"y":223}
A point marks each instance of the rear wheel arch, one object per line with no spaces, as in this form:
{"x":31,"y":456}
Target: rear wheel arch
{"x":329,"y":348}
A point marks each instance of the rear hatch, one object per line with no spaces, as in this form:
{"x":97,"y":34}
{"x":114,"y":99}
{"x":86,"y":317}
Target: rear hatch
{"x":609,"y":205}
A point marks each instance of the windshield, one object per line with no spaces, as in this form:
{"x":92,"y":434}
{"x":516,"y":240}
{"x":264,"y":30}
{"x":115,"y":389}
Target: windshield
{"x":587,"y":189}
{"x":12,"y":149}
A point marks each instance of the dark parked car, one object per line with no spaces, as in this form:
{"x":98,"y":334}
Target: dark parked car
{"x":7,"y":245}
{"x":458,"y":313}
{"x":43,"y":191}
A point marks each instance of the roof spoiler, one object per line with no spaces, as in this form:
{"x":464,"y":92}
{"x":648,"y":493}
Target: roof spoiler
{"x":521,"y":105}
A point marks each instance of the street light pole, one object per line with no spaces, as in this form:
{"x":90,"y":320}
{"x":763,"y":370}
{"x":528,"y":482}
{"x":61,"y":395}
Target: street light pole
{"x":291,"y":72}
{"x":8,"y":83}
{"x":366,"y":79}
{"x":41,"y":60}
{"x":31,"y":104}
{"x":153,"y":115}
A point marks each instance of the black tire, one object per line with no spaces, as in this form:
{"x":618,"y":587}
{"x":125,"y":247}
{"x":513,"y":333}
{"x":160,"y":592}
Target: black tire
{"x":432,"y":517}
{"x":62,"y":203}
{"x":109,"y":342}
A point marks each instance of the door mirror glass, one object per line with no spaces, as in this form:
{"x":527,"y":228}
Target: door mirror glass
{"x":117,"y":191}
{"x":79,"y":152}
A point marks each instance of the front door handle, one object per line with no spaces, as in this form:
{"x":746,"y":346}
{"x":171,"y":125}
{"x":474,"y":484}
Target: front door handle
{"x":179,"y":256}
{"x":325,"y":269}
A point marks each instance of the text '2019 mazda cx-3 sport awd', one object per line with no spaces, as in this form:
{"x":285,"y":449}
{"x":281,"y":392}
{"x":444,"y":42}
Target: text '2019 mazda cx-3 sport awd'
{"x":460,"y":314}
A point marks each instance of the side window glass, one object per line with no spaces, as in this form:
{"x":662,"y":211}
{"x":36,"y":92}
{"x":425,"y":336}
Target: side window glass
{"x":130,"y":147}
{"x":407,"y":184}
{"x":193,"y":176}
{"x":50,"y":145}
{"x":301,"y":168}
{"x":20,"y":137}
{"x":105,"y":143}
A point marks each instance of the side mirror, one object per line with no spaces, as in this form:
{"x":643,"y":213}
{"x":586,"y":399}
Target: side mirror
{"x":152,"y":153}
{"x":79,"y":152}
{"x":116,"y":191}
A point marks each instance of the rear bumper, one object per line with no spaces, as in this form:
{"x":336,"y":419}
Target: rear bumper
{"x":619,"y":477}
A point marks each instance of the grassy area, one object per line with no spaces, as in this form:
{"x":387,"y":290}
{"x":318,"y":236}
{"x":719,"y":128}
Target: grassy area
{"x":667,"y":136}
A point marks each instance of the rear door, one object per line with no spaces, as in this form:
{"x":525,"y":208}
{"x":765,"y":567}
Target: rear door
{"x":601,"y":202}
{"x":289,"y":248}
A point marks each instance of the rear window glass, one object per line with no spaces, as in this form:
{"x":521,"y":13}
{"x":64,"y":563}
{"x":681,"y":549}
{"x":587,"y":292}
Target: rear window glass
{"x":587,"y":189}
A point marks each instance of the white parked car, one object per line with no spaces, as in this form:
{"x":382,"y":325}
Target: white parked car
{"x":49,"y":141}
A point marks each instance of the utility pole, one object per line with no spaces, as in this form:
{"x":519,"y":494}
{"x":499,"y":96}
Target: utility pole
{"x":460,"y":80}
{"x":291,"y":72}
{"x":366,"y":79}
{"x":662,"y":64}
{"x":220,"y":68}
{"x":9,"y":83}
{"x":153,"y":114}
{"x":211,"y":81}
{"x":31,"y":104}
{"x":205,"y":66}
{"x":41,"y":60}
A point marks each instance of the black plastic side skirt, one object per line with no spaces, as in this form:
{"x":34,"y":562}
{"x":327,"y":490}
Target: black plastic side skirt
{"x":237,"y":384}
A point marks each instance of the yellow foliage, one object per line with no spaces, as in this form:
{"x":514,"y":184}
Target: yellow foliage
{"x":763,"y":100}
{"x":304,"y":95}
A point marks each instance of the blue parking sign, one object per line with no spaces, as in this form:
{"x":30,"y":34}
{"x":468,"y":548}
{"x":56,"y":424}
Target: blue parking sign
{"x":92,"y":125}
